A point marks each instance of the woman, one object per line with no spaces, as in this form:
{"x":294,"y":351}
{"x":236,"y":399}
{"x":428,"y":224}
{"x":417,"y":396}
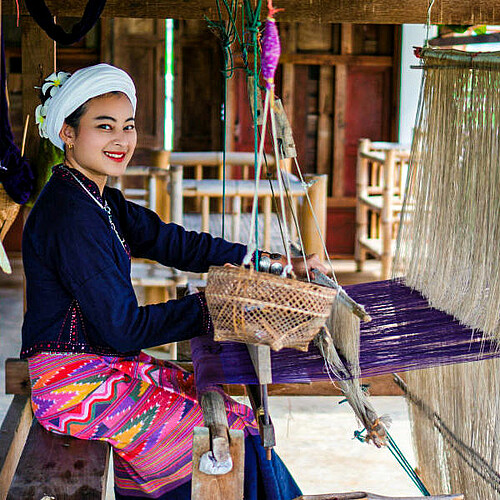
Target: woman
{"x":83,"y":329}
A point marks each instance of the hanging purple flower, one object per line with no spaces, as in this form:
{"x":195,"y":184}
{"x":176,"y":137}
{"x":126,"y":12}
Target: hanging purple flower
{"x":271,"y":47}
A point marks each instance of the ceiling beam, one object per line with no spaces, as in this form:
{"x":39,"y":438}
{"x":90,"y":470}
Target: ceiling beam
{"x":327,"y":11}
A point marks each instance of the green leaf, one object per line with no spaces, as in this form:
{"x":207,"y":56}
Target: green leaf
{"x":457,"y":28}
{"x":480,"y":30}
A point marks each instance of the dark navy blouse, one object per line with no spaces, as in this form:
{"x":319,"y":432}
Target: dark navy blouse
{"x":78,"y":286}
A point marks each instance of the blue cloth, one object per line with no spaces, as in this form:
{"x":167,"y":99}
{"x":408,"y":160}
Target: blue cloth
{"x":78,"y":287}
{"x":264,"y":479}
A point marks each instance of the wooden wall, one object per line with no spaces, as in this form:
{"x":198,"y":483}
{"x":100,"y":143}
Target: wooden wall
{"x":137,"y":45}
{"x":339,"y":82}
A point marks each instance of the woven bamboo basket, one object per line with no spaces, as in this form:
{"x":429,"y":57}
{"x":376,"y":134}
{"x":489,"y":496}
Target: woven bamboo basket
{"x":261,"y":308}
{"x":8,"y":212}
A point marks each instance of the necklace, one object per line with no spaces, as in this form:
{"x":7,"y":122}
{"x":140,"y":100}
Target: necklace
{"x":104,"y":207}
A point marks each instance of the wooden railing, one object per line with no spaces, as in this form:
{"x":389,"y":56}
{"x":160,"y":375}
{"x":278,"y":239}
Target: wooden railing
{"x":167,"y":191}
{"x":381,"y":175}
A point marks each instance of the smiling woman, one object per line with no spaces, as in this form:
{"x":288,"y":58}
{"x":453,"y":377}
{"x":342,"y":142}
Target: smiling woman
{"x":102,"y":140}
{"x":83,"y":330}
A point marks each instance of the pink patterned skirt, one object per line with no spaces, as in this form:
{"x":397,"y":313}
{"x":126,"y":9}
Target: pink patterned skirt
{"x":144,"y":407}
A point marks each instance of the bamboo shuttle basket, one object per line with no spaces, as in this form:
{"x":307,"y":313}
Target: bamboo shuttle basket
{"x":260,"y":308}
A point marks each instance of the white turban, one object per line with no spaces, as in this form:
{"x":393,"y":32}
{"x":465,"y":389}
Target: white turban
{"x":69,"y":93}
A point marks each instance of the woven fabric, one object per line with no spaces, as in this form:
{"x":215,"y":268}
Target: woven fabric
{"x":405,"y":334}
{"x":144,"y":407}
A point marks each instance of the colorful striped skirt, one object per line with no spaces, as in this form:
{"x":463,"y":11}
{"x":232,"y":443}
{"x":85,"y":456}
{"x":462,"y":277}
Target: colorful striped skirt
{"x":144,"y":407}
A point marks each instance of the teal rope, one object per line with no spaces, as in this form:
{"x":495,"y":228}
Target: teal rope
{"x":227,"y":36}
{"x":401,"y":459}
{"x":253,"y":24}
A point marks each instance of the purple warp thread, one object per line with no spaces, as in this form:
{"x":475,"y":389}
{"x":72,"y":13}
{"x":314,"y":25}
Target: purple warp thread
{"x":271,"y":50}
{"x":405,"y":334}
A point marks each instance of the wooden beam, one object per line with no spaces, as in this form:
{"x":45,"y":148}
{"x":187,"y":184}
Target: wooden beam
{"x":17,"y":382}
{"x":15,"y":429}
{"x":450,"y":41}
{"x":362,"y":495}
{"x":320,"y":11}
{"x":336,"y":59}
{"x":38,"y":53}
{"x":342,"y":202}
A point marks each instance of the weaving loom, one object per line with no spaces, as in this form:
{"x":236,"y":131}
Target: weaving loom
{"x":444,"y":307}
{"x":445,"y":310}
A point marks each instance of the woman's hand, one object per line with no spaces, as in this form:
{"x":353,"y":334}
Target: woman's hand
{"x":312,"y":263}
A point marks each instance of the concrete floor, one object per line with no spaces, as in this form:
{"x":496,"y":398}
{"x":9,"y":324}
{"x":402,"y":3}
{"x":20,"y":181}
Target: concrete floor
{"x":314,"y":434}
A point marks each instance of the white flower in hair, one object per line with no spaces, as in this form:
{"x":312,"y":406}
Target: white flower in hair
{"x":40,"y":114}
{"x":54,"y":81}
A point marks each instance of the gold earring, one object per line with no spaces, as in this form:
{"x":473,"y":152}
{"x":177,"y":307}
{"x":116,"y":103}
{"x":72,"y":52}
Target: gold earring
{"x":70,"y":145}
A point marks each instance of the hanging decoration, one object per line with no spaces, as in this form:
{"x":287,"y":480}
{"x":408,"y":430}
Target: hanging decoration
{"x":42,"y":15}
{"x":16,"y":174}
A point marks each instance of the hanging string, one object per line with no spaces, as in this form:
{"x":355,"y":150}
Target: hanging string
{"x":428,"y":23}
{"x":227,"y":34}
{"x":305,"y":186}
{"x":282,"y":199}
{"x":252,"y":27}
{"x":253,"y":236}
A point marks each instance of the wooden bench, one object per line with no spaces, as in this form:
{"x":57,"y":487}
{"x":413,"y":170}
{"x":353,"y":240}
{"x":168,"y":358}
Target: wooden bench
{"x":35,"y":463}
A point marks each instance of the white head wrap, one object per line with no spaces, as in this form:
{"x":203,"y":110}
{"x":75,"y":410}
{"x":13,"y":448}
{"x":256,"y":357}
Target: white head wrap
{"x":70,"y":92}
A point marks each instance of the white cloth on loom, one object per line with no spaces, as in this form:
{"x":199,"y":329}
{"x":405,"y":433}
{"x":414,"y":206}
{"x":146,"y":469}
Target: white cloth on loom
{"x":81,"y":86}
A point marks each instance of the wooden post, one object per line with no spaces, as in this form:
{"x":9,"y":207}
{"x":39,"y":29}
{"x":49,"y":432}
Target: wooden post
{"x":161,"y":159}
{"x":223,"y":443}
{"x":236,"y":219}
{"x":38,"y":53}
{"x":318,"y":195}
{"x":176,"y":201}
{"x":324,"y":134}
{"x":198,"y":175}
{"x":155,"y":294}
{"x":361,"y":208}
{"x":13,"y":434}
{"x":340,"y":104}
{"x":220,"y":487}
{"x":215,"y":418}
{"x":387,"y":212}
{"x":261,"y":360}
{"x":162,"y":206}
{"x":205,"y":214}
